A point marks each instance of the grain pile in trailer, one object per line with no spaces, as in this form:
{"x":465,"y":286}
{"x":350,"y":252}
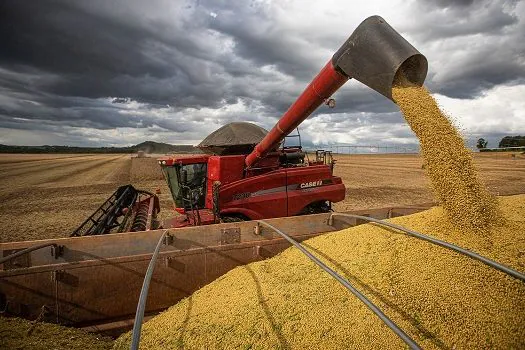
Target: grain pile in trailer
{"x":441,"y":299}
{"x":16,"y":333}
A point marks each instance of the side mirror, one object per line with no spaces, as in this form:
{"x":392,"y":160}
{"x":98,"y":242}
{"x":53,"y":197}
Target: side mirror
{"x":184,"y":176}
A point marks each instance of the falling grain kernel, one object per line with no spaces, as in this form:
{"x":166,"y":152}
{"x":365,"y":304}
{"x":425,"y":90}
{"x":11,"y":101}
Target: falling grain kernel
{"x":448,"y":162}
{"x":440,"y":298}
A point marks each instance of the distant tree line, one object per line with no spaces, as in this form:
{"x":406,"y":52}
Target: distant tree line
{"x":508,"y":143}
{"x":147,"y":147}
{"x":63,"y":149}
{"x":482,"y":143}
{"x":512,"y":141}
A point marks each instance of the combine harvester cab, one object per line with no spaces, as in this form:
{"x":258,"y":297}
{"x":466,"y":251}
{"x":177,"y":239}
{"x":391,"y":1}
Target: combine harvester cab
{"x":95,"y":281}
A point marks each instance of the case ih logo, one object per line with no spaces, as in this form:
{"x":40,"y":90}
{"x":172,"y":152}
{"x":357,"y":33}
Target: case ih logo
{"x":311,"y":184}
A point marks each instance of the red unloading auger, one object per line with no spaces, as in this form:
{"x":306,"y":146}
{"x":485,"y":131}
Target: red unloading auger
{"x":375,"y":54}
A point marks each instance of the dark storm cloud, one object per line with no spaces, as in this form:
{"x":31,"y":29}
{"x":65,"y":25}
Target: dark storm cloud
{"x":66,"y":56}
{"x":449,"y":19}
{"x":188,"y":67}
{"x":472,"y":45}
{"x":62,"y":38}
{"x":453,"y":3}
{"x":255,"y":40}
{"x":97,"y":54}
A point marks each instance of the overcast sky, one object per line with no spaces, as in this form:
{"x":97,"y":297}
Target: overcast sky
{"x":122,"y":72}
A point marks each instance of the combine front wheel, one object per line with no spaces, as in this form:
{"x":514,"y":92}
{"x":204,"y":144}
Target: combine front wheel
{"x":234,"y":218}
{"x":317,"y":208}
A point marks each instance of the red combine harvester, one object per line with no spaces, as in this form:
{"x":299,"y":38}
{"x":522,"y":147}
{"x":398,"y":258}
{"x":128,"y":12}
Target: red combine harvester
{"x":222,"y":188}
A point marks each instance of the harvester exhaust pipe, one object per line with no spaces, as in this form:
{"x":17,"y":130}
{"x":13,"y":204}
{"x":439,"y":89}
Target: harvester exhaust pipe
{"x":375,"y":54}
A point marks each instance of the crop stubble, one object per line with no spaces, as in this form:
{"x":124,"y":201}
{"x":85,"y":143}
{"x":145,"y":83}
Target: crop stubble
{"x":50,"y":199}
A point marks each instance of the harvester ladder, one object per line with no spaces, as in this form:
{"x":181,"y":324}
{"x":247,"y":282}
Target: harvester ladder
{"x":298,"y":135}
{"x":188,"y":198}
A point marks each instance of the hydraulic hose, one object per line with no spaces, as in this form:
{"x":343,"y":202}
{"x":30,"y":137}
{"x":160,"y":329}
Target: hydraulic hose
{"x":398,"y":331}
{"x":139,"y":315}
{"x":505,"y":269}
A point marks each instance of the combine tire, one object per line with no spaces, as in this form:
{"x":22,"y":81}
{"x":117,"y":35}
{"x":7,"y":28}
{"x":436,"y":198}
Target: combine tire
{"x":234,"y":218}
{"x":316,"y":208}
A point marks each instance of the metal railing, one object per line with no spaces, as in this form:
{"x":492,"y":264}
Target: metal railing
{"x":509,"y":271}
{"x":398,"y":331}
{"x":29,"y":250}
{"x":141,"y":306}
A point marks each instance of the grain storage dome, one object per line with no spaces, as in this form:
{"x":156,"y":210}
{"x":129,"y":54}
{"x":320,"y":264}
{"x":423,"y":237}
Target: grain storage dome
{"x":233,"y":138}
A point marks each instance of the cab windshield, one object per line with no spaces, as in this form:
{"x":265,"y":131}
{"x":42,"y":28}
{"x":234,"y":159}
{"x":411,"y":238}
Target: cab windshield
{"x":187,"y":184}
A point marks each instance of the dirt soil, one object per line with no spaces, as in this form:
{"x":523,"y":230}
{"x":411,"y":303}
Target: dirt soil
{"x":48,"y":196}
{"x":385,"y":180}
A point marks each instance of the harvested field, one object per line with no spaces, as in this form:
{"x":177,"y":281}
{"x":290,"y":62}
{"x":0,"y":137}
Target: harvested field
{"x":145,"y":169}
{"x":441,"y":299}
{"x":385,"y":180}
{"x":20,"y":158}
{"x":46,"y":196}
